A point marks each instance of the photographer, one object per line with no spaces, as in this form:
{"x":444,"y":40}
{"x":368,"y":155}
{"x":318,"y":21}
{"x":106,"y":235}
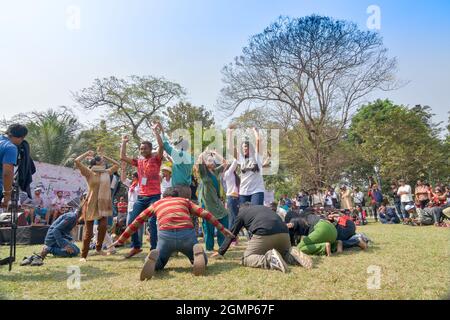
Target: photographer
{"x":9,"y":142}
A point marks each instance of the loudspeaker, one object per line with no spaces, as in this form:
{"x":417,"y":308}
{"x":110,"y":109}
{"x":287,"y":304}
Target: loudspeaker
{"x":28,"y":235}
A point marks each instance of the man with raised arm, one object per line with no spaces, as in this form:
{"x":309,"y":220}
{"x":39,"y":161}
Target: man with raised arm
{"x":148,"y":167}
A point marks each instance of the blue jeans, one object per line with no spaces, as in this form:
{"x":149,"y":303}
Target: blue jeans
{"x":233,"y":208}
{"x":352,"y":241}
{"x":176,"y":240}
{"x":208,"y":233}
{"x":140,"y":205}
{"x":398,"y":208}
{"x":61,"y":252}
{"x":256,"y":199}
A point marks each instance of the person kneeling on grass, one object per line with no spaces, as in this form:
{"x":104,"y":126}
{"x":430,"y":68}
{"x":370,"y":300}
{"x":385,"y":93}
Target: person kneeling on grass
{"x":319,"y":236}
{"x":175,"y":234}
{"x":58,"y":240}
{"x":270,"y":245}
{"x":346,"y":232}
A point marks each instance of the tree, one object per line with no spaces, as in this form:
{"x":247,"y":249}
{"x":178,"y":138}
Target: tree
{"x":50,"y":134}
{"x":130,"y":104}
{"x":317,"y":67}
{"x":399,"y":141}
{"x":98,"y":137}
{"x":184,"y":115}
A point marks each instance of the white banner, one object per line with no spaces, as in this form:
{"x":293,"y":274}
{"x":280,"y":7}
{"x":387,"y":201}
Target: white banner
{"x":52,"y":178}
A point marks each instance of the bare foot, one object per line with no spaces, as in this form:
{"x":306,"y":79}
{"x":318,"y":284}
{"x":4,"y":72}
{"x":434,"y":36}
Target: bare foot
{"x":362,"y":244}
{"x":328,"y":249}
{"x":83,"y":260}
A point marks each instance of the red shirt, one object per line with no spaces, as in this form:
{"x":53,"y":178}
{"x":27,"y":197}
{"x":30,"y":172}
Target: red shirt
{"x":171,"y":213}
{"x":148,"y":171}
{"x":122,"y":207}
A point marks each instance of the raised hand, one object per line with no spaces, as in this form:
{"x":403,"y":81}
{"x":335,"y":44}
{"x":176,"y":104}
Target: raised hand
{"x":125,"y":139}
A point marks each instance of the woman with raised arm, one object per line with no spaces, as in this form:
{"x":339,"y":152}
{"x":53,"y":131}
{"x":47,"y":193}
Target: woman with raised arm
{"x":251,"y":163}
{"x":209,"y":195}
{"x":98,"y":204}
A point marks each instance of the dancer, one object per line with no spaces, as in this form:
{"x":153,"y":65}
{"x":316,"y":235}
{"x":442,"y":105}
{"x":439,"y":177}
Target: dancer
{"x":270,"y":246}
{"x":98,"y":205}
{"x":209,"y":195}
{"x":252,"y":187}
{"x":176,"y":232}
{"x":150,"y":188}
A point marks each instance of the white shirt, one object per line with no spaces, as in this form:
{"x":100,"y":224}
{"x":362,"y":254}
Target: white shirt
{"x":132,"y":196}
{"x":405,"y":197}
{"x":358,"y":197}
{"x":165,"y":184}
{"x":230,"y":180}
{"x":328,"y":200}
{"x":58,"y":203}
{"x":281,"y":212}
{"x":251,"y":182}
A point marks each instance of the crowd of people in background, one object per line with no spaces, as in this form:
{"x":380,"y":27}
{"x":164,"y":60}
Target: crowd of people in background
{"x":175,"y":198}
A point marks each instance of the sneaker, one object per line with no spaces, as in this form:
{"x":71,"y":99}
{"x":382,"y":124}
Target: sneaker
{"x":26,"y":261}
{"x":37,"y":260}
{"x":132,"y":253}
{"x":276,"y":261}
{"x":199,"y":266}
{"x":148,"y":270}
{"x":303,"y":259}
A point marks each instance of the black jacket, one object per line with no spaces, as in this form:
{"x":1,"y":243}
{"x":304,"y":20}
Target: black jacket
{"x":259,"y":220}
{"x":26,"y":167}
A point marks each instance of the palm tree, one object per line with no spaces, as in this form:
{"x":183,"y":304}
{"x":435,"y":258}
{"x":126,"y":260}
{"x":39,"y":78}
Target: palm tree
{"x":51,"y":134}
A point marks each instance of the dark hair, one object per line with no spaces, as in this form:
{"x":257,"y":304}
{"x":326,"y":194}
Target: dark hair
{"x":92,"y":162}
{"x":147,"y":143}
{"x":135,"y":175}
{"x":171,"y":192}
{"x":17,"y":131}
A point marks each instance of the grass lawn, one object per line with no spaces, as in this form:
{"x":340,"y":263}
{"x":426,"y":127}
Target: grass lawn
{"x":414,"y":264}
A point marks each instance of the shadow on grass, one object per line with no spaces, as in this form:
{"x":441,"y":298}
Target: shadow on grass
{"x":55,"y":273}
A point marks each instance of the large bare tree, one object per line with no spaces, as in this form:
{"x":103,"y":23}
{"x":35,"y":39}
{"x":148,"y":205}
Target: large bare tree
{"x":132,"y":103}
{"x":318,"y":67}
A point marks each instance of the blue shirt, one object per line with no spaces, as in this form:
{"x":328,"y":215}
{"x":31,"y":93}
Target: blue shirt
{"x":59,"y":232}
{"x":8,"y":155}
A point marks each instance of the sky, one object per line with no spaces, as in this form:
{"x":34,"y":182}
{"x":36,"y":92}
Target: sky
{"x":46,"y":52}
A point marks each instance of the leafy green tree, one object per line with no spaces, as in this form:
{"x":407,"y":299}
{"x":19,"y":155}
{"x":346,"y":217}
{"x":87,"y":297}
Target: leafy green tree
{"x":51,"y":134}
{"x":399,"y":141}
{"x":130,"y":104}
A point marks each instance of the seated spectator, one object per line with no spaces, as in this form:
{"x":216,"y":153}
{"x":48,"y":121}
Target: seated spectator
{"x":120,"y":222}
{"x":387,"y":215}
{"x":359,"y":216}
{"x":36,"y":206}
{"x":57,"y":204}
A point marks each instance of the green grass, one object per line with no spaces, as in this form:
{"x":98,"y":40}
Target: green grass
{"x":414,"y":264}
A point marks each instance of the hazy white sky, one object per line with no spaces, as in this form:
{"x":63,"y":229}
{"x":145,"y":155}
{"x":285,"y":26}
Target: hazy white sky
{"x":43,"y":59}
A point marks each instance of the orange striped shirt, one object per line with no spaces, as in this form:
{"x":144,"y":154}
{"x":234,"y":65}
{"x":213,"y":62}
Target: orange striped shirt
{"x":171,"y":213}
